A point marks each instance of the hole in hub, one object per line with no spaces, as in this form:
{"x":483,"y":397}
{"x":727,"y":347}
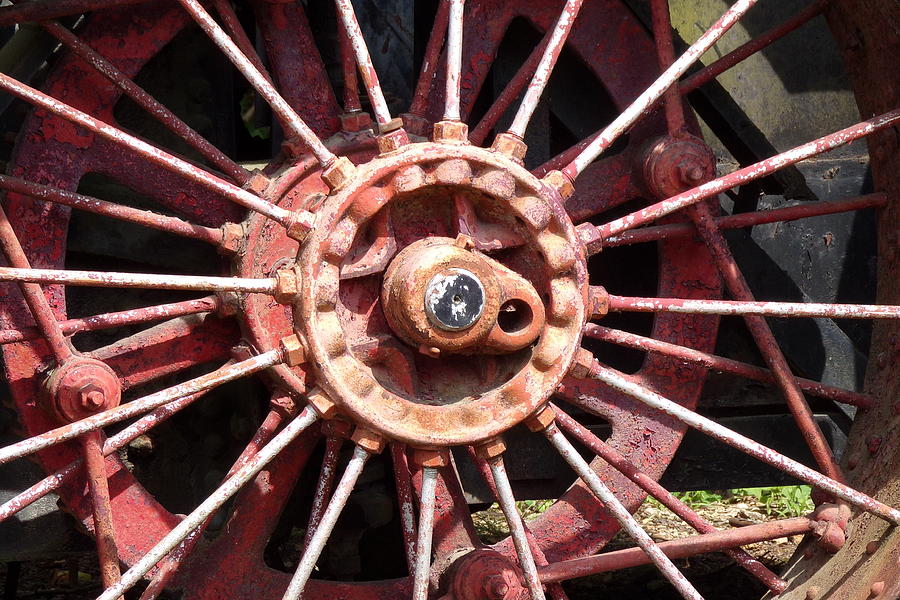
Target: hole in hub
{"x":514,"y":316}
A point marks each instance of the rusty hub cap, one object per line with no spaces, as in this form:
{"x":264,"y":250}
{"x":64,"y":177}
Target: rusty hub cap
{"x":440,"y":296}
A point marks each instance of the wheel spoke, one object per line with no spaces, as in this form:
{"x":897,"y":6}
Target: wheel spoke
{"x":264,"y":434}
{"x":768,"y":309}
{"x":290,"y":120}
{"x":200,"y":283}
{"x":333,"y":444}
{"x":403,"y":481}
{"x":683,"y":548}
{"x":422,"y":572}
{"x":665,"y":55}
{"x":364,"y":61}
{"x":516,"y":527}
{"x":212,"y":503}
{"x":631,"y":114}
{"x":98,"y":486}
{"x":803,"y":210}
{"x":545,"y":67}
{"x":159,"y":112}
{"x":429,"y":64}
{"x":454,"y":60}
{"x":348,"y":68}
{"x":146,"y":151}
{"x":96,"y":206}
{"x":622,"y":383}
{"x":722,"y":364}
{"x":765,"y":341}
{"x":62,"y":476}
{"x":664,"y":496}
{"x":236,"y":31}
{"x":512,"y":90}
{"x":338,"y":500}
{"x":621,"y":514}
{"x":140,"y":406}
{"x":34,"y":296}
{"x":592,"y":235}
{"x":42,"y":10}
{"x":744,"y":51}
{"x":168,"y":348}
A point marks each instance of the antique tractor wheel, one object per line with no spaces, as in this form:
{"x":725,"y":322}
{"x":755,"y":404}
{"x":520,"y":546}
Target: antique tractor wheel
{"x":410,"y":297}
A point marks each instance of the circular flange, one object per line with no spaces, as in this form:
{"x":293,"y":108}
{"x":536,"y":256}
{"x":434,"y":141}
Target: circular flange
{"x":500,"y":185}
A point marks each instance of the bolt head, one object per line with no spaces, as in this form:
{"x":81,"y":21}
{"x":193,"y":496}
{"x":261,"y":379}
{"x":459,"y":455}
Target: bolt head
{"x":541,"y":420}
{"x":339,"y":172}
{"x":511,"y":145}
{"x":301,"y":223}
{"x":451,"y":132}
{"x":258,"y":183}
{"x":287,"y":286}
{"x":490,"y":449}
{"x":433,"y":458}
{"x":369,"y":441}
{"x":321,"y":403}
{"x":581,"y":367}
{"x":292,"y":350}
{"x":91,"y":397}
{"x":356,"y":121}
{"x":392,"y":140}
{"x":560,"y":182}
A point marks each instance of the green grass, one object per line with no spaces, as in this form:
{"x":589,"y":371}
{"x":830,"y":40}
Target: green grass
{"x":780,"y":502}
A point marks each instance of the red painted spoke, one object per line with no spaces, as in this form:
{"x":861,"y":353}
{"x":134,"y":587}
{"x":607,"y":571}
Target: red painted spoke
{"x":169,"y":348}
{"x":516,"y":527}
{"x":118,"y":319}
{"x":348,"y":67}
{"x":403,"y":481}
{"x":159,"y":112}
{"x":683,"y":548}
{"x":364,"y":61}
{"x":510,"y":93}
{"x":333,"y":444}
{"x":144,"y":150}
{"x":430,"y":60}
{"x":722,"y":364}
{"x":545,"y":67}
{"x":336,"y":505}
{"x":34,"y":296}
{"x":765,"y":340}
{"x":62,"y":476}
{"x":637,"y":108}
{"x":741,"y":53}
{"x":295,"y":127}
{"x":591,"y":234}
{"x":264,"y":434}
{"x":665,"y":497}
{"x":140,"y":406}
{"x":110,"y":209}
{"x":200,"y":283}
{"x":623,"y":383}
{"x":620,"y":513}
{"x":767,"y":309}
{"x":212,"y":503}
{"x":803,"y":210}
{"x":236,"y":31}
{"x":42,"y":10}
{"x":454,"y":60}
{"x":665,"y":55}
{"x":98,"y":487}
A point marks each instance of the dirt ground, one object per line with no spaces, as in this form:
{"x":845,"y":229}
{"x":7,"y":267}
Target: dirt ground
{"x":714,"y":575}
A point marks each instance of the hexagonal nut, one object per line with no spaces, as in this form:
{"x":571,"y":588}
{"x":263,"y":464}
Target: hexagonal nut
{"x":356,"y":121}
{"x":415,"y":124}
{"x":541,"y":420}
{"x":258,"y":183}
{"x":392,"y":125}
{"x":321,"y":403}
{"x":451,"y":132}
{"x":91,"y":397}
{"x":369,"y":441}
{"x":392,"y":140}
{"x":464,"y":241}
{"x":339,"y":172}
{"x":589,"y":235}
{"x":232,"y":237}
{"x":300,"y":224}
{"x":560,"y":182}
{"x":431,"y":457}
{"x":490,"y":449}
{"x":582,"y":364}
{"x":511,"y":145}
{"x":287,"y":286}
{"x":292,"y":350}
{"x":598,"y":301}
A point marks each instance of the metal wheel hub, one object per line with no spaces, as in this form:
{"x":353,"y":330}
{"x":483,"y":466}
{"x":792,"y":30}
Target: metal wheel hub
{"x":529,"y":313}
